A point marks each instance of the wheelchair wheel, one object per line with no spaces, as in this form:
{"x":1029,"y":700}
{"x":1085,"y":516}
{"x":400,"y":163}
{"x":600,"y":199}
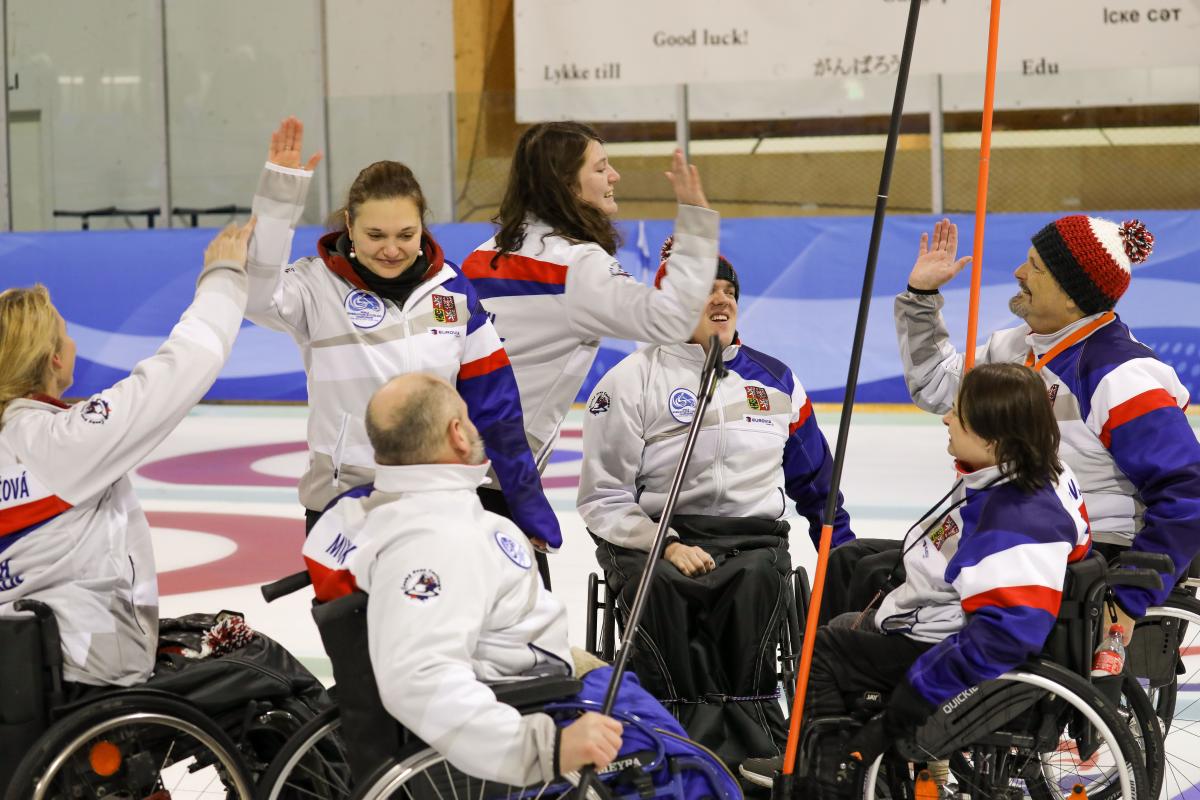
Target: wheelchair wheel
{"x":1073,"y":736}
{"x":1175,"y":691}
{"x":1139,"y":715}
{"x":421,"y":773}
{"x":132,"y":745}
{"x":312,"y":764}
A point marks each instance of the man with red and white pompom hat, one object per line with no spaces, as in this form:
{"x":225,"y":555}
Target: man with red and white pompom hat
{"x":1120,"y":409}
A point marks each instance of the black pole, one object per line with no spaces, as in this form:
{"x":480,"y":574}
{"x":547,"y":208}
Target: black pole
{"x":784,"y":784}
{"x":864,"y":301}
{"x":713,"y":371}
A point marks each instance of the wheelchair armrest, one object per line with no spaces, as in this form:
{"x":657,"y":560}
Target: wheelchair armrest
{"x":1141,"y":578}
{"x":1159,"y":562}
{"x":536,"y":691}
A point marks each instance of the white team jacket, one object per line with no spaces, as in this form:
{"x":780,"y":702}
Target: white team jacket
{"x":353,"y":341}
{"x":553,"y":299}
{"x":454,"y":600}
{"x":72,"y":533}
{"x":759,"y":442}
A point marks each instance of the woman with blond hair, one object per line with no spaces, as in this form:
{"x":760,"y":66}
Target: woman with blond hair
{"x":72,"y":533}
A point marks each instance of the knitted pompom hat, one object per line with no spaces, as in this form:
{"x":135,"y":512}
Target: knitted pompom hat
{"x":1091,"y":257}
{"x":725,"y":271}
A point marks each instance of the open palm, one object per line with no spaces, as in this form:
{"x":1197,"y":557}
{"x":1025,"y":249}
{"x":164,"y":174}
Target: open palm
{"x":286,"y":145}
{"x":936,"y":264}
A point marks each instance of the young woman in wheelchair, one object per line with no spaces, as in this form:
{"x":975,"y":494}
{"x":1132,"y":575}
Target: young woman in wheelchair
{"x":985,"y":573}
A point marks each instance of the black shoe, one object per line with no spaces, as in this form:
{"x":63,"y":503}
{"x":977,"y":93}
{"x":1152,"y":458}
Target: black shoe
{"x":761,"y":771}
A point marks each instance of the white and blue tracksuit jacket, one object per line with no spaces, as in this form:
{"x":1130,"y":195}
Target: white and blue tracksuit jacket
{"x":554,"y":299}
{"x":354,"y":341}
{"x":759,"y":443}
{"x":986,"y":582}
{"x":1121,"y":413}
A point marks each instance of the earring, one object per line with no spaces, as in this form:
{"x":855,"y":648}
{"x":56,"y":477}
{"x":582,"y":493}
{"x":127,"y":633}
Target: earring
{"x":352,"y":249}
{"x":420,"y":252}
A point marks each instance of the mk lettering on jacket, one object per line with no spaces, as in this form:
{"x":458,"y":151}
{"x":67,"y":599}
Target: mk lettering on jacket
{"x":341,"y":548}
{"x":8,"y":579}
{"x":14,"y":488}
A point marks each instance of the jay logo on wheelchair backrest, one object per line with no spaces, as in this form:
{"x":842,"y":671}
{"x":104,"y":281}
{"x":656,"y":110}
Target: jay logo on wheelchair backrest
{"x":8,"y":578}
{"x":756,"y":398}
{"x":422,"y":585}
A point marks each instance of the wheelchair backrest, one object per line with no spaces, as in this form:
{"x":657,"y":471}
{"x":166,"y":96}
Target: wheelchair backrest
{"x":372,"y":735}
{"x":28,"y":679}
{"x":1074,"y":634}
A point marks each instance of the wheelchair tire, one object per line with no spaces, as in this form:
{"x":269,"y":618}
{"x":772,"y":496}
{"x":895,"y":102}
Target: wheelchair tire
{"x":1049,"y":773}
{"x":312,"y":764}
{"x":135,"y":742}
{"x":1177,"y":703}
{"x":421,"y":773}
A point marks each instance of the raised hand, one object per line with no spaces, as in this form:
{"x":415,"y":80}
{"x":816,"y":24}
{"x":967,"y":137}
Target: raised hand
{"x":230,"y":244}
{"x":286,"y":143}
{"x":936,"y":264}
{"x":685,"y":180}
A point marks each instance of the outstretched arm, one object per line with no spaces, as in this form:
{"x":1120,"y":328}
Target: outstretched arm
{"x":279,"y":301}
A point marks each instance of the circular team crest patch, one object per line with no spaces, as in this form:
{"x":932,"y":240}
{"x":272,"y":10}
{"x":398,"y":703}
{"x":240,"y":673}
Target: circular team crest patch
{"x":513,"y":549}
{"x":364,"y":308}
{"x":682,"y":405}
{"x":422,"y":585}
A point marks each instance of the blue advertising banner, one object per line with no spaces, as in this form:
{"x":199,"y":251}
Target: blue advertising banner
{"x":801,"y":277}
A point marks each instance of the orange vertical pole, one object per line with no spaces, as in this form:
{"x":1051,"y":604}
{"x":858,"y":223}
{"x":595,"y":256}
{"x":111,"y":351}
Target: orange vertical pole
{"x":985,"y":155}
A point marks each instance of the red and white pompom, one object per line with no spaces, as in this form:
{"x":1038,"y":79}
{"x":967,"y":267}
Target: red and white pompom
{"x":1138,"y":242}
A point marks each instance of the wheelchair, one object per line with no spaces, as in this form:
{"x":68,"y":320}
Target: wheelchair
{"x":1164,"y":659}
{"x":1045,"y":730}
{"x":357,"y":750}
{"x":188,"y":734}
{"x":604,"y":621}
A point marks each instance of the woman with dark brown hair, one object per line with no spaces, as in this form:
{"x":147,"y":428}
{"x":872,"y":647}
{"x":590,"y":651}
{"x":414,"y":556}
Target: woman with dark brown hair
{"x":377,"y":301}
{"x":551,"y":279}
{"x":983,"y":580}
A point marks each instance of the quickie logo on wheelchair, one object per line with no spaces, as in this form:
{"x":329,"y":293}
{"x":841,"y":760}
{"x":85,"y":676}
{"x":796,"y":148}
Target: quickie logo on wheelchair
{"x":422,"y":585}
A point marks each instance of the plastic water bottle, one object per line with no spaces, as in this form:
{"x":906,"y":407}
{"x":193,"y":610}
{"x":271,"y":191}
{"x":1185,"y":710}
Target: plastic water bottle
{"x":1110,"y":658}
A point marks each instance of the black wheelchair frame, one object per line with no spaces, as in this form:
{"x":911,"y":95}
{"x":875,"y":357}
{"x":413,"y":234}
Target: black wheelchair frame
{"x":998,"y":721}
{"x":101,"y":741}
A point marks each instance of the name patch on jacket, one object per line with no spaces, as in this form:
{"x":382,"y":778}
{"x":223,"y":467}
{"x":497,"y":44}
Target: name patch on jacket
{"x":422,"y":585}
{"x":682,"y":405}
{"x":513,"y":549}
{"x":756,"y":398}
{"x":364,"y":309}
{"x":443,"y":309}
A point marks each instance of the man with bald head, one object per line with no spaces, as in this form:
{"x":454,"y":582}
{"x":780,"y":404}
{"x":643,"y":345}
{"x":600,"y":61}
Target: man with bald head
{"x":454,"y":600}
